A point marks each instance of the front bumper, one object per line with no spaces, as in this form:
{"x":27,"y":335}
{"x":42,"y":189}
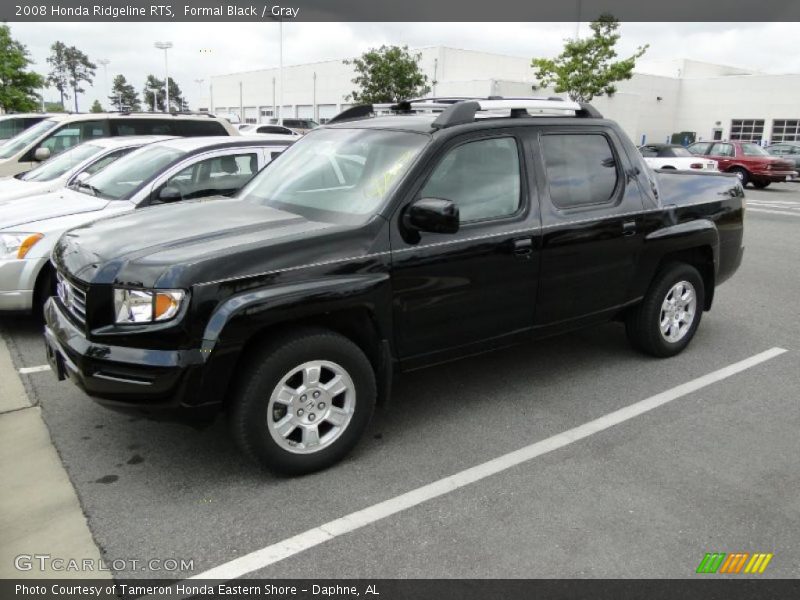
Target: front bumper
{"x":164,"y":383}
{"x":17,"y":282}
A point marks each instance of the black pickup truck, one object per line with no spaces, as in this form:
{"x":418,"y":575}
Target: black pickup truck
{"x":376,"y":245}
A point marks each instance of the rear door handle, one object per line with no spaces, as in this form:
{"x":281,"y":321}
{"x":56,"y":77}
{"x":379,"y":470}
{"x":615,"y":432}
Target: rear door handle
{"x":523,"y":247}
{"x":629,"y":228}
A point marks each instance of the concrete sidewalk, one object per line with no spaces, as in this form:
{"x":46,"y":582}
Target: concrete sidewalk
{"x":38,"y":506}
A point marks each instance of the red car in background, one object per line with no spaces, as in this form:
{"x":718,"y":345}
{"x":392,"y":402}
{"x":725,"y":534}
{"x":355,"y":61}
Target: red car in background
{"x":749,"y":161}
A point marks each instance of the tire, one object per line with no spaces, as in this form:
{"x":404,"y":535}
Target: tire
{"x":45,"y":287}
{"x":761,"y":184}
{"x":645,"y":324}
{"x":742,"y":174}
{"x":278,"y":385}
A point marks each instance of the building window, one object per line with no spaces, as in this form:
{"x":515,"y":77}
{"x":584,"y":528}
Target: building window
{"x":785,"y":130}
{"x":267,"y":112}
{"x":747,"y":130}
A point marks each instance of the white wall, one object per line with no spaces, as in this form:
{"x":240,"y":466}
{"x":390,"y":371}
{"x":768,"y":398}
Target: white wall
{"x":694,"y":96}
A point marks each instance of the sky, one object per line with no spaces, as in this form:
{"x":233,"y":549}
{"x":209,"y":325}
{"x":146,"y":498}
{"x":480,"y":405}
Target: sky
{"x":204,"y":49}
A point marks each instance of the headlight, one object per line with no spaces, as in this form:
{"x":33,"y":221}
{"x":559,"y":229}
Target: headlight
{"x":17,"y":245}
{"x":140,"y":306}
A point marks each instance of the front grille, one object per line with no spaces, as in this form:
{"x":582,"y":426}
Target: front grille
{"x":72,"y":297}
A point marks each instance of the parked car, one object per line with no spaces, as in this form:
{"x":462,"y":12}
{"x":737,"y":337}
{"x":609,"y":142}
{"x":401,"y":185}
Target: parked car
{"x":747,"y":160}
{"x":16,"y":123}
{"x":61,"y":132}
{"x":65,"y":169}
{"x":159,"y":173}
{"x":267,"y":129}
{"x":789,"y":151}
{"x":298,"y":125}
{"x":674,"y":156}
{"x":379,"y":245}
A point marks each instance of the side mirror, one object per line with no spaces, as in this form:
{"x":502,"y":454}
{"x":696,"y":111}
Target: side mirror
{"x":435,"y":215}
{"x":169,"y":194}
{"x":81,"y":177}
{"x":41,"y":154}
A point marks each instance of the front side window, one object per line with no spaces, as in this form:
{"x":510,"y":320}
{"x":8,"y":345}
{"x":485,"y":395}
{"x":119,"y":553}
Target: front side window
{"x":337,"y":173}
{"x":221,"y":175}
{"x":481,"y":177}
{"x":27,"y":137}
{"x":649,"y":151}
{"x":59,"y":165}
{"x":103,"y":162}
{"x":73,"y":134}
{"x":122,"y":178}
{"x":581,"y":169}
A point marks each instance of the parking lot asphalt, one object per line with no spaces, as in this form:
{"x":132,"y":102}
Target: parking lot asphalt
{"x":714,"y":470}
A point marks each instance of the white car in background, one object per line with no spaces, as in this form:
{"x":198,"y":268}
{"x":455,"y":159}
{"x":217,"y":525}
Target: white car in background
{"x":65,"y":169}
{"x":268,"y":130}
{"x":173,"y":170}
{"x":675,"y":156}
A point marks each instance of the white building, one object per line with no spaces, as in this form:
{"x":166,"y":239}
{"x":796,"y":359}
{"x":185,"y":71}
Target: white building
{"x":663,"y":98}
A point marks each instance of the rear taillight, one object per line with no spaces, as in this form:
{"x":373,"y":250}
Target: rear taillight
{"x":696,"y":166}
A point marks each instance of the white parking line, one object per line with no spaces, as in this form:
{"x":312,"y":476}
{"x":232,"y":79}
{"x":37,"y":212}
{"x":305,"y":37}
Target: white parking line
{"x":37,"y":369}
{"x":773,"y":212}
{"x":274,"y":553}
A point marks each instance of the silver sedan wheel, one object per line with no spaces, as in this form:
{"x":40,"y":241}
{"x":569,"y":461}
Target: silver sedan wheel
{"x":311,"y":407}
{"x":678,"y":311}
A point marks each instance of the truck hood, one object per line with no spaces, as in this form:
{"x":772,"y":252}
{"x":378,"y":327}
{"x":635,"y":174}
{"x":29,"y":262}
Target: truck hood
{"x":62,"y":203}
{"x":181,"y":244}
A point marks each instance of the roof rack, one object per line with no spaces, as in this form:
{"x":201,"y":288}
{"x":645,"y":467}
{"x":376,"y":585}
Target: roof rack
{"x":174,"y":113}
{"x":455,"y":111}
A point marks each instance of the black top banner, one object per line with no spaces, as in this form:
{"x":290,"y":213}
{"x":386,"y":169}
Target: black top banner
{"x":402,"y":10}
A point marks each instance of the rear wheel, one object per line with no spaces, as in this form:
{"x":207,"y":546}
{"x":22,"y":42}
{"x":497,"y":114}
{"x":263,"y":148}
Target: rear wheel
{"x":667,"y":319}
{"x":761,"y":184}
{"x":303,"y":402}
{"x":742,"y":174}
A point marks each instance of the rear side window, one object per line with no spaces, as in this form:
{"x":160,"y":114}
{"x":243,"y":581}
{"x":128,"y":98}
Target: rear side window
{"x":698,"y":149}
{"x":481,"y":177}
{"x":143,"y":127}
{"x":581,"y":169}
{"x":198,"y":128}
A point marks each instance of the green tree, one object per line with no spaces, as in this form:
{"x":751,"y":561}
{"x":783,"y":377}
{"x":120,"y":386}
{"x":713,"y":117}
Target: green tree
{"x":123,"y":95}
{"x":586,"y":67}
{"x":96,"y":107}
{"x":387,"y":74}
{"x":58,"y":76}
{"x":79,"y":69}
{"x":175,"y":94}
{"x":18,"y":86}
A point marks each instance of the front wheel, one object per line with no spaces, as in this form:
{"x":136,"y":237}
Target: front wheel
{"x":667,"y":319}
{"x":303,"y":402}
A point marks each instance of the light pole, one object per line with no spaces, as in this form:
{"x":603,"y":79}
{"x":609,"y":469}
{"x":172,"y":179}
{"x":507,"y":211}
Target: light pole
{"x":199,"y":83}
{"x":104,"y":62}
{"x":280,"y":72}
{"x":165,"y":46}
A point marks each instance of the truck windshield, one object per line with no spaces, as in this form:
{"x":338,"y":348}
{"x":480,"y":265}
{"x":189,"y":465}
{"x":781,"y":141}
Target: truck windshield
{"x":24,"y":139}
{"x":122,"y":178}
{"x":337,"y":172}
{"x":62,"y":163}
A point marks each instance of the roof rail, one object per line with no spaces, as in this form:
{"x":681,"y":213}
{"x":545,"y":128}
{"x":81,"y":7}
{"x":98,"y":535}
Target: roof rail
{"x":457,"y":112}
{"x":174,"y":113}
{"x":465,"y":112}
